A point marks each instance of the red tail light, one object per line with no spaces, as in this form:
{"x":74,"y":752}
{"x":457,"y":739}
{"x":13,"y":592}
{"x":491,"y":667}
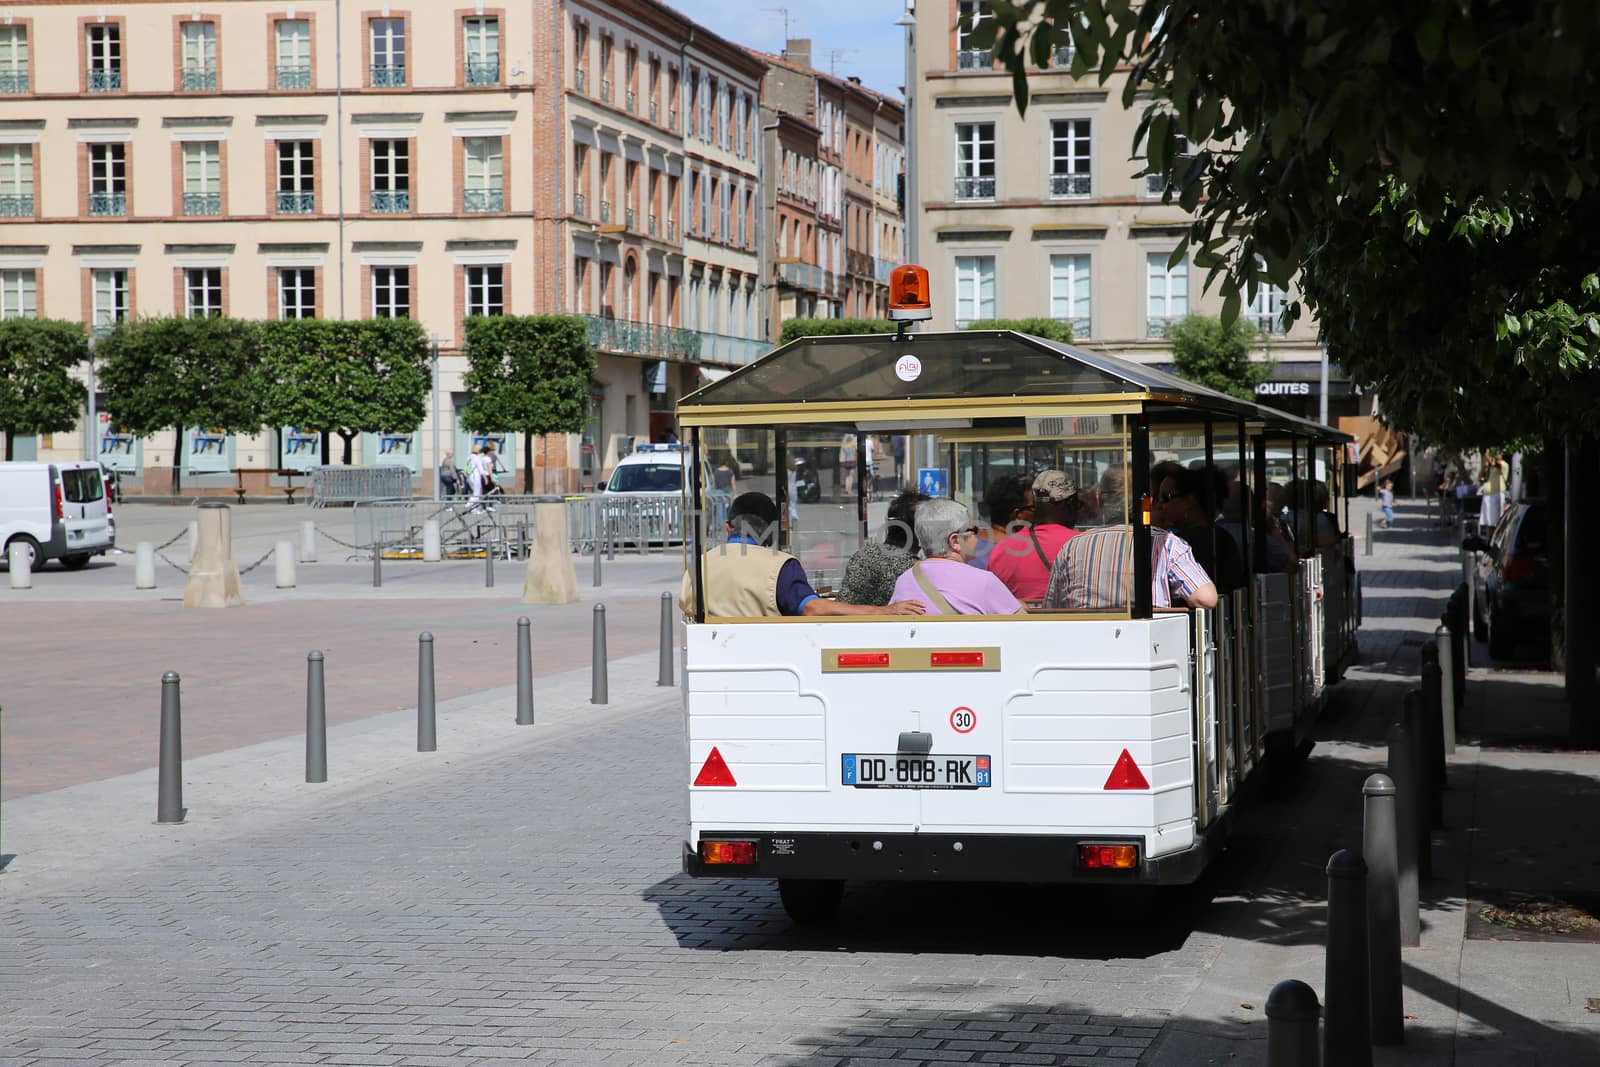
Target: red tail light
{"x":61,"y":504}
{"x":1514,"y":568}
{"x":725,"y":852}
{"x":863,"y":659}
{"x":1108,"y":857}
{"x":955,"y":659}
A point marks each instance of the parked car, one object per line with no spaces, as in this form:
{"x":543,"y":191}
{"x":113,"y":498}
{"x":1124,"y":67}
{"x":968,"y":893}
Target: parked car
{"x":641,"y":498}
{"x":1511,"y":582}
{"x":55,"y":511}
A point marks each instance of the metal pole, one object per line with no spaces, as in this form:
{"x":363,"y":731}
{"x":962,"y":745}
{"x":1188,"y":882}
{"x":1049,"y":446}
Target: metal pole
{"x":1432,"y":736}
{"x":1380,"y":851}
{"x":524,"y":672}
{"x":377,"y":564}
{"x":1414,"y":714}
{"x":1346,"y":1037}
{"x":438,"y":459}
{"x":664,"y":673}
{"x":1447,"y":686}
{"x":316,"y":721}
{"x":596,"y":542}
{"x":488,"y":561}
{"x":1322,"y":378}
{"x":599,"y":689}
{"x":1292,"y":1015}
{"x":427,"y":727}
{"x":1405,"y":817}
{"x":169,"y":776}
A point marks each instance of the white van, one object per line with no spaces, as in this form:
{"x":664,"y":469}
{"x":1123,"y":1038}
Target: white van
{"x":58,"y":510}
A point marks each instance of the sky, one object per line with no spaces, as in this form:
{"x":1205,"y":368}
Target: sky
{"x":868,"y":43}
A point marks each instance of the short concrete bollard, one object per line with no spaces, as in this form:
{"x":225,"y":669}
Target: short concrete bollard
{"x":432,"y":547}
{"x":1401,"y":771}
{"x":427,"y":729}
{"x":316,"y":721}
{"x":664,"y":672}
{"x":308,"y":541}
{"x":1419,"y":777}
{"x":1292,"y":1015}
{"x":169,"y":772}
{"x":1367,"y":550}
{"x":377,"y":566}
{"x":1432,"y":736}
{"x":524,"y":672}
{"x":1347,"y":1035}
{"x":144,"y":566}
{"x":1447,"y":686}
{"x":599,"y":687}
{"x":283,"y":565}
{"x":1381,"y":853}
{"x":19,"y":558}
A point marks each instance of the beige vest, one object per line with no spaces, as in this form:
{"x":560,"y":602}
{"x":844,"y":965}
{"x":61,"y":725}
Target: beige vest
{"x":741,"y":582}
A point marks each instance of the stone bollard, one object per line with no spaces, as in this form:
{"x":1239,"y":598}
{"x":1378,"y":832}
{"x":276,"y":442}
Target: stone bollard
{"x":283,"y":565}
{"x":1447,"y":686}
{"x":599,"y":688}
{"x":169,"y":772}
{"x":213,"y":576}
{"x":664,"y":671}
{"x":308,"y":541}
{"x":549,"y":576}
{"x":432,"y":550}
{"x":427,"y":729}
{"x":1419,"y":778}
{"x":1347,"y":1036}
{"x":524,"y":672}
{"x":144,"y":566}
{"x":19,"y":557}
{"x":1381,"y":853}
{"x":1367,"y":551}
{"x":1432,"y":736}
{"x":1292,"y":1015}
{"x":1401,"y":773}
{"x":316,"y":720}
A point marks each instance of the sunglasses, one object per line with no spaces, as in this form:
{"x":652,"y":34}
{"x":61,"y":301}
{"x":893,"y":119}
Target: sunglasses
{"x":1167,"y":498}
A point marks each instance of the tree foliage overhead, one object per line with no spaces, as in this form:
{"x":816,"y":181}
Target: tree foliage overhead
{"x":176,"y":372}
{"x":1049,"y":329}
{"x":1209,"y":352}
{"x":38,"y":393}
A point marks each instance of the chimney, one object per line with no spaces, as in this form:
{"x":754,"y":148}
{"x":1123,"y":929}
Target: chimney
{"x":798,"y":50}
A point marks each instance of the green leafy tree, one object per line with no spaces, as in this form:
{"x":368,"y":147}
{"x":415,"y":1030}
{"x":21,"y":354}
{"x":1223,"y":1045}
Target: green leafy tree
{"x":1049,"y":329}
{"x":38,"y":393}
{"x":530,"y":374}
{"x":178,"y":372}
{"x":345,"y":377}
{"x":1215,"y":354}
{"x":795,"y":328}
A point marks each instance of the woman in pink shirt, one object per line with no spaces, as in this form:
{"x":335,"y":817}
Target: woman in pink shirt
{"x":943,"y":582}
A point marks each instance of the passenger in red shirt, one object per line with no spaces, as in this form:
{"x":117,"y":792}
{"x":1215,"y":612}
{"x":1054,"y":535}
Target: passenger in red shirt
{"x":1023,"y":560}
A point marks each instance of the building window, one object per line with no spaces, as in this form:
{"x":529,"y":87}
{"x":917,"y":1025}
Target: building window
{"x":972,"y":14}
{"x":1167,"y":294}
{"x":391,"y":177}
{"x":740,"y":123}
{"x":16,"y":181}
{"x":703,"y":112}
{"x":388,"y":53}
{"x":202,"y":292}
{"x":108,"y":179}
{"x":109,"y":291}
{"x":14,"y":64}
{"x":580,"y":57}
{"x":297,"y":293}
{"x":975,"y":168}
{"x":724,"y":109}
{"x":974,"y":289}
{"x":391,"y":292}
{"x":292,"y":59}
{"x":486,"y":291}
{"x":19,"y":294}
{"x":202,"y":178}
{"x":724,"y":219}
{"x":1156,"y":184}
{"x":482,"y":40}
{"x":485,"y":175}
{"x":606,"y":46}
{"x":104,"y":43}
{"x":297,"y":189}
{"x":1069,"y":293}
{"x":199,"y":71}
{"x":1069,"y":157}
{"x":1267,"y":308}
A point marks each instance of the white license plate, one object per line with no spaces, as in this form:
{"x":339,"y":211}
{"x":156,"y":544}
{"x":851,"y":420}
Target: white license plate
{"x":896,"y":770}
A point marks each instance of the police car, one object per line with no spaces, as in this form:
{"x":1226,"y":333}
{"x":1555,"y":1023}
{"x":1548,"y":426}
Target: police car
{"x":643,"y":498}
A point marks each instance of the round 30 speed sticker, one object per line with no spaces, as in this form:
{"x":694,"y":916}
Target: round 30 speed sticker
{"x":962,"y":720}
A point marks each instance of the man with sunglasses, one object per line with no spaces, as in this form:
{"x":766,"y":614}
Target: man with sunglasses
{"x":1023,"y":560}
{"x":1181,"y":508}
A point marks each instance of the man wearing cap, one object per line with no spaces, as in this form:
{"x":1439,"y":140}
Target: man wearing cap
{"x":1023,"y":560}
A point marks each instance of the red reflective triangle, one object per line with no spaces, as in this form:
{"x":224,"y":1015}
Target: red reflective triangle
{"x":1125,"y":775}
{"x":715,"y":771}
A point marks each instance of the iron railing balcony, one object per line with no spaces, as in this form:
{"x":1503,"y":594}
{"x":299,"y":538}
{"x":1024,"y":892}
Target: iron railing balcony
{"x":13,"y":82}
{"x":199,"y":79}
{"x":1158,"y":325}
{"x":107,"y":204}
{"x":605,"y":211}
{"x":975,"y":59}
{"x":297,"y":203}
{"x":651,"y":223}
{"x":16,"y":207}
{"x":807,"y":276}
{"x":580,"y":205}
{"x":975,"y":188}
{"x":106,"y":80}
{"x":881,"y":269}
{"x":1063,"y":55}
{"x":605,"y":91}
{"x":627,"y":217}
{"x":1070,"y":184}
{"x":655,"y":111}
{"x":672,"y":120}
{"x":579,"y":79}
{"x":672,"y":231}
{"x":1081,"y":328}
{"x":1269,"y":323}
{"x":483,"y":72}
{"x":475,"y":201}
{"x":720,"y":348}
{"x":632,"y":101}
{"x":642,"y":339}
{"x":388,"y":76}
{"x":391,"y":201}
{"x":102,"y":330}
{"x":294,"y":77}
{"x":202,"y":203}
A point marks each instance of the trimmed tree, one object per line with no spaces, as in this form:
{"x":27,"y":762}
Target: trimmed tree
{"x":529,"y":374}
{"x":177,"y":372}
{"x":1215,"y":354}
{"x":794,"y":328}
{"x":345,"y":377}
{"x":1049,"y":329}
{"x":38,"y":393}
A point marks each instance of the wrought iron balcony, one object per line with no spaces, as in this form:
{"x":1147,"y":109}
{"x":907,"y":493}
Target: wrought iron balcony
{"x":297,"y":203}
{"x":388,"y":76}
{"x":16,"y":207}
{"x":102,"y":330}
{"x":483,"y":72}
{"x":670,"y":342}
{"x":655,"y":111}
{"x":107,"y":80}
{"x":199,"y":79}
{"x":807,"y":276}
{"x":975,"y":59}
{"x":295,"y":77}
{"x":881,"y":269}
{"x":605,"y":90}
{"x":13,"y":82}
{"x":1063,"y":55}
{"x":652,"y":225}
{"x":1158,"y":325}
{"x":975,"y":188}
{"x":580,"y":78}
{"x":1069,"y":184}
{"x":479,"y":200}
{"x":672,"y":232}
{"x":202,"y":203}
{"x":391,"y":201}
{"x":605,"y":211}
{"x":106,"y":204}
{"x":627,"y":217}
{"x":1081,"y":328}
{"x":580,"y":205}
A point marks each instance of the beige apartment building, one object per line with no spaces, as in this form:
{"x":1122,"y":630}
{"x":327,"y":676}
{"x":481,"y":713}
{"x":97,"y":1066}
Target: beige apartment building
{"x":1044,"y":216}
{"x":255,"y":158}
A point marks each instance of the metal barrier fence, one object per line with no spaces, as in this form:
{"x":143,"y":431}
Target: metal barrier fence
{"x":347,"y":485}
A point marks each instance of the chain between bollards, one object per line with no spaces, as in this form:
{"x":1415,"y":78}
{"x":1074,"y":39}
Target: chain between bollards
{"x":316,"y":720}
{"x":664,"y":673}
{"x":169,"y":775}
{"x":1347,"y":1035}
{"x":1292,"y":1014}
{"x":1401,"y":773}
{"x":1381,"y":852}
{"x":599,"y":688}
{"x":524,"y":672}
{"x":427,"y":724}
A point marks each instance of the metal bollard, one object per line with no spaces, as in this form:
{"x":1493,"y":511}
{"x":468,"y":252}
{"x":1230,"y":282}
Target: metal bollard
{"x":432,"y":549}
{"x":1367,"y":551}
{"x":596,"y":579}
{"x":522,"y":539}
{"x":283,"y":565}
{"x":1292,"y":1014}
{"x":19,"y":558}
{"x":1414,"y":716}
{"x":1447,"y":686}
{"x":664,"y":672}
{"x":1381,"y":853}
{"x":488,"y":563}
{"x":524,"y":672}
{"x":377,"y":566}
{"x":1432,"y":736}
{"x":308,"y":541}
{"x":1346,"y":1037}
{"x":599,"y":689}
{"x":427,"y":724}
{"x":144,"y":566}
{"x":611,"y":540}
{"x":316,"y":720}
{"x":169,"y":773}
{"x":1401,"y":773}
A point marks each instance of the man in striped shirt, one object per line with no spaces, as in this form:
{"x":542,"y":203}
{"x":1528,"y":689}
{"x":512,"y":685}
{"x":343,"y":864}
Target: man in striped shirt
{"x":1094,"y":570}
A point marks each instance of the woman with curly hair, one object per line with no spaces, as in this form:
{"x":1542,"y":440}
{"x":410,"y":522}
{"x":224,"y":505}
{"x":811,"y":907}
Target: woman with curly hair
{"x":870,"y":574}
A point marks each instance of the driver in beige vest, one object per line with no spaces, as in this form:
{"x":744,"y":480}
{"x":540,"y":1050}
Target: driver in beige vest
{"x":746,"y":579}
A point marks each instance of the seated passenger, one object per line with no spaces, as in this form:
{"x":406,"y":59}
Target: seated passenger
{"x":1181,"y":507}
{"x":1093,"y":570}
{"x":747,"y":579}
{"x":1009,"y":502}
{"x":943,"y":584}
{"x":870,"y":574}
{"x":1023,"y":560}
{"x":1280,"y":557}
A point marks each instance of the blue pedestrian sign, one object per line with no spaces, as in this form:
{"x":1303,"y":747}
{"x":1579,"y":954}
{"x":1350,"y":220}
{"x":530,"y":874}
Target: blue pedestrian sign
{"x":931,"y":481}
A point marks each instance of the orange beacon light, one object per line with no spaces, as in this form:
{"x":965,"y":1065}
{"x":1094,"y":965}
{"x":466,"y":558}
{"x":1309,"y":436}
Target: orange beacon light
{"x":908,"y":294}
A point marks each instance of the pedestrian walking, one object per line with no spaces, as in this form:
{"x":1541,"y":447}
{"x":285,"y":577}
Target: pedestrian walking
{"x":1492,"y":494}
{"x":1386,"y":501}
